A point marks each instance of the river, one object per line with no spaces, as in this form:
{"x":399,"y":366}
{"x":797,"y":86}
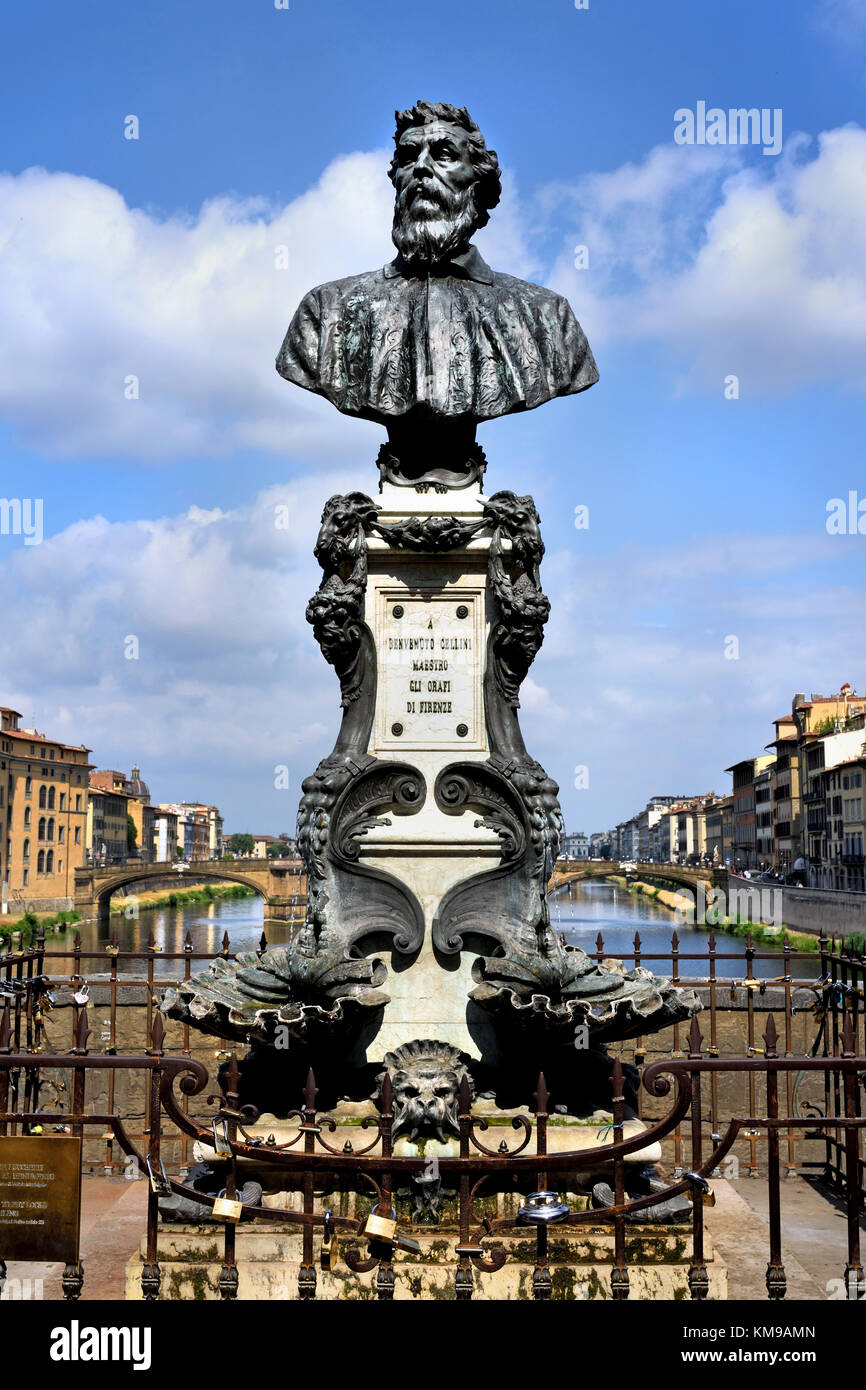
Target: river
{"x":580,"y":911}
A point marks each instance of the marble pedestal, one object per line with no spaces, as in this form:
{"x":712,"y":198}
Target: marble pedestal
{"x":429,"y":615}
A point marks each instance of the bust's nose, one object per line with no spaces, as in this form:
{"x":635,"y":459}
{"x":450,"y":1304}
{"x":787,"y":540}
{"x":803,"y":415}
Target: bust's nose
{"x":423,"y":166}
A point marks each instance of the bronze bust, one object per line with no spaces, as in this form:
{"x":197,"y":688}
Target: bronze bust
{"x":435,"y":342}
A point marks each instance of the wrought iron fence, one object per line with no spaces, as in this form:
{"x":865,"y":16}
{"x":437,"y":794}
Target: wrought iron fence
{"x":725,"y":980}
{"x":480,"y":1245}
{"x":768,"y":1125}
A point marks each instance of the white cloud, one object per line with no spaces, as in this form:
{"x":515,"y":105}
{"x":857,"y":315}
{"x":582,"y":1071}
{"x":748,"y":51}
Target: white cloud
{"x":631,"y":680}
{"x":760,"y":273}
{"x":93,"y":292}
{"x":844,"y":20}
{"x":752,"y":271}
{"x":228,"y":681}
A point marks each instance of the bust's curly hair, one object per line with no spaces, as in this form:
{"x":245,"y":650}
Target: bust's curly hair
{"x":488,"y":188}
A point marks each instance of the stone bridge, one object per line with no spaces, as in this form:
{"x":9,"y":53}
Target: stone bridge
{"x":669,"y":873}
{"x":282,"y":883}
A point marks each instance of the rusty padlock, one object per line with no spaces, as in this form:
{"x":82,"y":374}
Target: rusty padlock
{"x":227,"y":1209}
{"x":328,"y":1250}
{"x":381,"y":1227}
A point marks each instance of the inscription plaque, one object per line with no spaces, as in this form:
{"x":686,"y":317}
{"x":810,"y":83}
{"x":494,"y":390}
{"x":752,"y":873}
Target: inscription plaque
{"x":430,"y":669}
{"x":40,"y":1197}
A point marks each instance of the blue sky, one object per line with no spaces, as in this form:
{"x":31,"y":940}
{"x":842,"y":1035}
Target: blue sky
{"x":261,"y":127}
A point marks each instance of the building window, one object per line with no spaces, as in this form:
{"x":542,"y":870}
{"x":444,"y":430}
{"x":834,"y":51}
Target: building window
{"x":78,"y":803}
{"x":25,"y":878}
{"x":49,"y":862}
{"x":41,"y":833}
{"x":63,"y":801}
{"x":25,"y":850}
{"x":28,"y":785}
{"x":26,"y":817}
{"x":78,"y":834}
{"x":43,"y":796}
{"x":50,"y":835}
{"x":40,"y":862}
{"x":51,"y":796}
{"x":60,"y":829}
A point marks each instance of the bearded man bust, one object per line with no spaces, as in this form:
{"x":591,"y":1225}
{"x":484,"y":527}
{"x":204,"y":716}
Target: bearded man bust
{"x":436,"y":342}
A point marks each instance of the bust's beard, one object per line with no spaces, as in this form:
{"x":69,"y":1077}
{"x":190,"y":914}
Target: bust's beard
{"x":425,"y":239}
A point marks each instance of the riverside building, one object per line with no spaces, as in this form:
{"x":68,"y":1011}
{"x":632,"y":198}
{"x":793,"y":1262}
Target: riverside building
{"x":43,"y":817}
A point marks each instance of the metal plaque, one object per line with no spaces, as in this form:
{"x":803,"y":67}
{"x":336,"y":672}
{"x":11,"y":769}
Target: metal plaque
{"x":40,"y":1197}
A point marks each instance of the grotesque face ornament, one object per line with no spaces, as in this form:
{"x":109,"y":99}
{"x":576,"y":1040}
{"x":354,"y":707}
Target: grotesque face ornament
{"x":426,"y":1077}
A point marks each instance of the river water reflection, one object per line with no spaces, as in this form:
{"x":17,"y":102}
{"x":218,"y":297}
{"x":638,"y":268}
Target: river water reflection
{"x":579,"y":912}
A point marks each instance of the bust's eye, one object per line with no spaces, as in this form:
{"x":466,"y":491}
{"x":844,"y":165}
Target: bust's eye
{"x":444,"y":151}
{"x":411,"y":1091}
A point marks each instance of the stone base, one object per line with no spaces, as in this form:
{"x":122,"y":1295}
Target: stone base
{"x":580,"y":1259}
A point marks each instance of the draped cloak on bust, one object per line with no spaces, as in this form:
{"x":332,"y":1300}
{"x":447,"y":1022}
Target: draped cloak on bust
{"x":462,"y":342}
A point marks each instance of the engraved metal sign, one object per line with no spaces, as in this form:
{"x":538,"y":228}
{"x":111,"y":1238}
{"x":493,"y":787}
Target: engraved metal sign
{"x":40,"y":1197}
{"x":430,"y":667}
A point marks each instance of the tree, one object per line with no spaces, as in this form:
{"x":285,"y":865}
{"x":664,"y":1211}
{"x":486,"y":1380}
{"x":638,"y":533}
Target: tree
{"x":131,"y":832}
{"x":241,"y":844}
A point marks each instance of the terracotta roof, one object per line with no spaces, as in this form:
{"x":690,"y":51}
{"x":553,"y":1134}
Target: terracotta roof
{"x":31,"y":736}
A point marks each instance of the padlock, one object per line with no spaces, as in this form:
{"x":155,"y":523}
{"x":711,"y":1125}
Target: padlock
{"x":699,"y":1184}
{"x":381,"y":1227}
{"x":401,"y":1242}
{"x":159,"y":1182}
{"x":221,"y":1138}
{"x":226,"y":1209}
{"x":328,"y":1250}
{"x":82,"y":995}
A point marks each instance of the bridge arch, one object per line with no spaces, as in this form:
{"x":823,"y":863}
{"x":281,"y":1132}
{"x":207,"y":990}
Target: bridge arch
{"x":667,"y":873}
{"x":281,"y":884}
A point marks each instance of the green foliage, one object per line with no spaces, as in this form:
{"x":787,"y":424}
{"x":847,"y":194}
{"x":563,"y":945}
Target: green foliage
{"x":241,"y":844}
{"x":131,"y":832}
{"x":30,"y":924}
{"x":208,"y":893}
